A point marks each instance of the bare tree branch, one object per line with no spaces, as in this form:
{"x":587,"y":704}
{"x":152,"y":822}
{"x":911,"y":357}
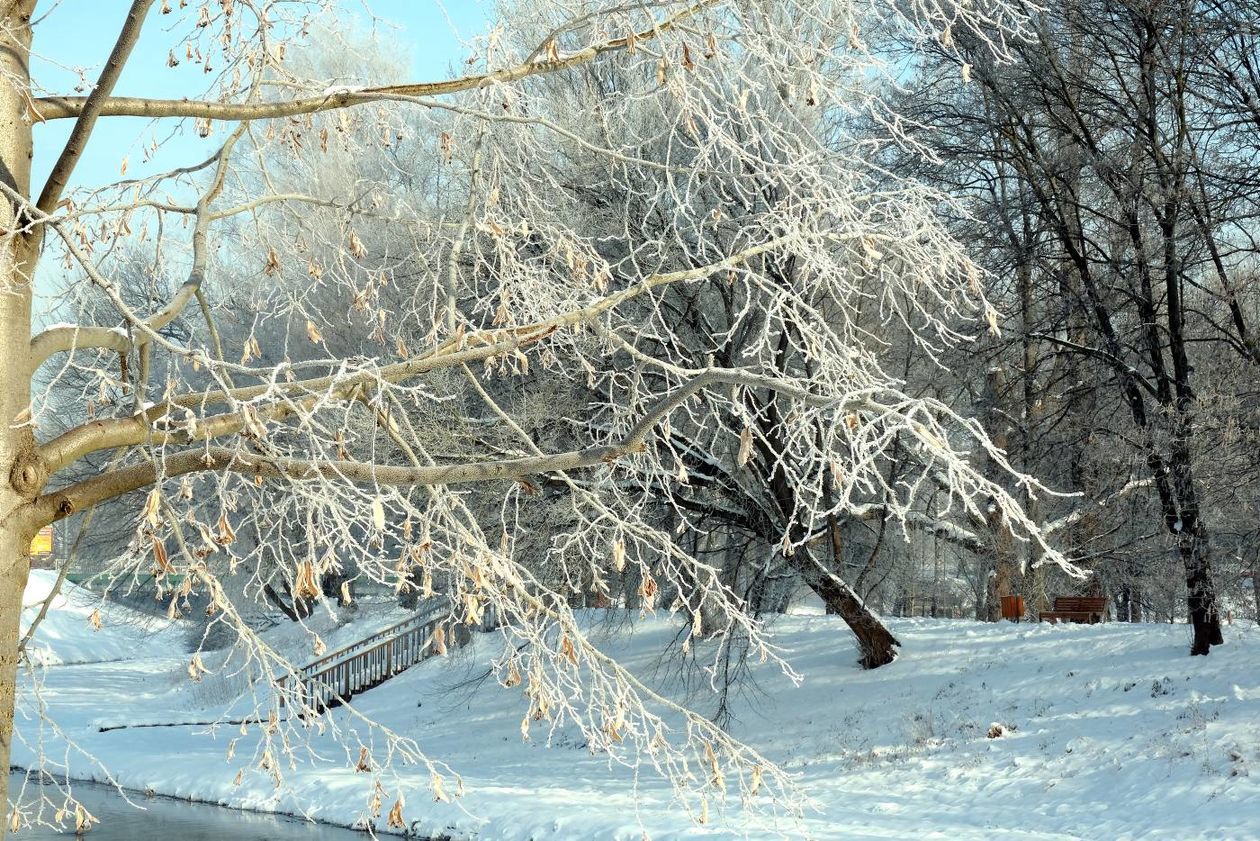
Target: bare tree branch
{"x":93,"y":106}
{"x":61,"y":107}
{"x":63,"y":503}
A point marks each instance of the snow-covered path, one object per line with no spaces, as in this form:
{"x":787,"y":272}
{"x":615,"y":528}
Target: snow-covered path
{"x":1113,"y":733}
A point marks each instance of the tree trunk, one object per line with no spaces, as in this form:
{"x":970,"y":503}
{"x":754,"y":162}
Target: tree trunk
{"x":21,"y":473}
{"x":1201,"y":597}
{"x":876,"y":643}
{"x":992,"y":596}
{"x":1129,"y":602}
{"x":13,"y":573}
{"x":1255,"y":582}
{"x":1006,"y":578}
{"x":296,"y":609}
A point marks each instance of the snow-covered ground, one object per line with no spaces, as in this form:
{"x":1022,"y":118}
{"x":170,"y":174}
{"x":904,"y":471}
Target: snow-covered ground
{"x":66,"y":635}
{"x":1109,"y":731}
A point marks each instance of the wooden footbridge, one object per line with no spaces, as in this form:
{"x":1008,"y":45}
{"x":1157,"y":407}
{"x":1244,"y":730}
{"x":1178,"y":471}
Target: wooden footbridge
{"x":340,"y":675}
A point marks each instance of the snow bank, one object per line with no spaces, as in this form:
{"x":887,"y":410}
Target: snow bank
{"x":1106,"y":731}
{"x":67,"y":635}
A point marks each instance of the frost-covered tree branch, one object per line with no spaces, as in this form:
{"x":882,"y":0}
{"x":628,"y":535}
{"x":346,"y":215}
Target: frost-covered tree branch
{"x":514,"y":340}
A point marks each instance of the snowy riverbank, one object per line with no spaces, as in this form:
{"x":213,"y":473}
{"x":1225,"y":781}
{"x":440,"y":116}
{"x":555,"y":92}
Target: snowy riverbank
{"x":1110,"y":732}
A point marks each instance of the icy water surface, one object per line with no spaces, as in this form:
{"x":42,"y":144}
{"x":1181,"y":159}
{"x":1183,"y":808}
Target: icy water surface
{"x":166,"y":819}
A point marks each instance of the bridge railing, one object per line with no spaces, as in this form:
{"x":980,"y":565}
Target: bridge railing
{"x":334,"y":678}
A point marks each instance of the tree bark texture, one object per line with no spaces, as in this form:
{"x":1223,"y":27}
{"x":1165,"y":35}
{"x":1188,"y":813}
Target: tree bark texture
{"x":21,"y":476}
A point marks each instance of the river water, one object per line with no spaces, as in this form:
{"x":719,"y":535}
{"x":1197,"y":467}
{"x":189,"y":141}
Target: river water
{"x":167,"y":819}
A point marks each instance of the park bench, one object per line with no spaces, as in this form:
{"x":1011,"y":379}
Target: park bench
{"x":1081,"y":609}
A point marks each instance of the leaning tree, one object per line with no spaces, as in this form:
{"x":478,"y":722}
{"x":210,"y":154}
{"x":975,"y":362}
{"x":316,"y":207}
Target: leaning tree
{"x":499,"y":292}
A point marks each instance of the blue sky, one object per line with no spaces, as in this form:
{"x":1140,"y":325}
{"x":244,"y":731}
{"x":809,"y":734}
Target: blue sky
{"x":78,"y":34}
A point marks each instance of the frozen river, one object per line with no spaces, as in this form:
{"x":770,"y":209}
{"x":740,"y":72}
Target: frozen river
{"x":175,"y":820}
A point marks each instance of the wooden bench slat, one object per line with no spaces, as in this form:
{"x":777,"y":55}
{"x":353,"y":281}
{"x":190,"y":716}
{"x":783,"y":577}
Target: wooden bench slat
{"x":1080,"y":603}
